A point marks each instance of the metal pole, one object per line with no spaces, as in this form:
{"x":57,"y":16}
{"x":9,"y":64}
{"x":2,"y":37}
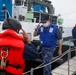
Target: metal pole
{"x":74,"y":46}
{"x":49,"y":16}
{"x":5,"y":15}
{"x":31,"y":71}
{"x":22,"y":2}
{"x":69,"y":56}
{"x":27,"y":4}
{"x":40,"y":18}
{"x":75,"y":50}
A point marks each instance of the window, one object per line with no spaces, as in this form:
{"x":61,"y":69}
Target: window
{"x":15,"y":17}
{"x":23,"y":18}
{"x":20,"y":17}
{"x":18,"y":2}
{"x":54,"y":19}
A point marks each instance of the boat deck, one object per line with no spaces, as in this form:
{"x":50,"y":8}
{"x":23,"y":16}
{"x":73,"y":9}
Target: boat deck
{"x":63,"y":69}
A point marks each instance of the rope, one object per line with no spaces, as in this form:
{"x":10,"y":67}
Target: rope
{"x":50,"y":62}
{"x":54,"y":60}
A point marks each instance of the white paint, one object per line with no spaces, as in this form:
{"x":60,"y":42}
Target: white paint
{"x":28,"y":27}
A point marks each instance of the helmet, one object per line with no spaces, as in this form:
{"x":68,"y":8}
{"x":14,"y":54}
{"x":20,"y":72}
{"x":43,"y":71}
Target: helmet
{"x":11,"y":24}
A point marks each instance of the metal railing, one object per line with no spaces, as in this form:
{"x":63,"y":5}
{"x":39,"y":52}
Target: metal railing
{"x":56,"y":59}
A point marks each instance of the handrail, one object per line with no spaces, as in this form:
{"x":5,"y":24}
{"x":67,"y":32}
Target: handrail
{"x":45,"y":65}
{"x":56,"y":59}
{"x":48,"y":63}
{"x":39,"y":12}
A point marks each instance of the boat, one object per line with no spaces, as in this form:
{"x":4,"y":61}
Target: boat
{"x":29,"y":16}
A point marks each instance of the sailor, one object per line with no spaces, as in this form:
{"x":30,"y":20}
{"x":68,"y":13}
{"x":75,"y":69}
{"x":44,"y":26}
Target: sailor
{"x":74,"y":35}
{"x":6,"y":13}
{"x":49,"y":34}
{"x":13,"y":51}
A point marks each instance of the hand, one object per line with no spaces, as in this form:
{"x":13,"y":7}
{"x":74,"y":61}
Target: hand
{"x":37,"y":26}
{"x":25,"y":36}
{"x":59,"y":52}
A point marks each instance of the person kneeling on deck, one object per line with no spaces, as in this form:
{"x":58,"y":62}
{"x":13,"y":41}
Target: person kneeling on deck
{"x":49,"y":33}
{"x":13,"y":51}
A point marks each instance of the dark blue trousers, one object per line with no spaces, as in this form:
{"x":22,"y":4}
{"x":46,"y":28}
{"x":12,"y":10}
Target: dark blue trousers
{"x":47,"y":54}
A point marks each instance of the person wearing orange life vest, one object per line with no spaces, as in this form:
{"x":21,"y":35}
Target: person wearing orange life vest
{"x":12,"y":48}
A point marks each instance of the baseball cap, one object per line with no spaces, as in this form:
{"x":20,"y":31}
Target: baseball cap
{"x":44,"y":18}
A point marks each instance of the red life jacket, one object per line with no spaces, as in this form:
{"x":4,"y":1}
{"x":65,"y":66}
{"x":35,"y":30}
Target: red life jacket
{"x":10,"y":39}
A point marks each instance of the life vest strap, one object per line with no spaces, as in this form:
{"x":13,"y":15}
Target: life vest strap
{"x":4,"y":52}
{"x":4,"y":55}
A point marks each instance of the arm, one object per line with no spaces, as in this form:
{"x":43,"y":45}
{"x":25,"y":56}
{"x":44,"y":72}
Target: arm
{"x":30,"y":52}
{"x":60,"y":47}
{"x":36,"y":30}
{"x":59,"y":37}
{"x":25,"y":36}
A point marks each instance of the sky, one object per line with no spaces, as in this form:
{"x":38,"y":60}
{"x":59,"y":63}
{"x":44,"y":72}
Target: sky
{"x":67,"y":9}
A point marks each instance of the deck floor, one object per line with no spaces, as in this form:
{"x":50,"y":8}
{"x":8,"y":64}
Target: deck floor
{"x":63,"y":69}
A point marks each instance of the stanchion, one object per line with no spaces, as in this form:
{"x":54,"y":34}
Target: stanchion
{"x":31,"y":73}
{"x":69,"y":56}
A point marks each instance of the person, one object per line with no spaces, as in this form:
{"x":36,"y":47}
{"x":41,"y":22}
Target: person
{"x":74,"y":34}
{"x":13,"y":50}
{"x":49,"y":34}
{"x":6,"y":13}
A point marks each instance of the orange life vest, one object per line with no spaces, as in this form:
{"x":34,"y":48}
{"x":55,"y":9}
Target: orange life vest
{"x":14,"y":42}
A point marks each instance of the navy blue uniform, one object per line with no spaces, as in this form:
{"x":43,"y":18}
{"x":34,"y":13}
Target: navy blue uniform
{"x":30,"y":52}
{"x":48,"y":36}
{"x":74,"y":35}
